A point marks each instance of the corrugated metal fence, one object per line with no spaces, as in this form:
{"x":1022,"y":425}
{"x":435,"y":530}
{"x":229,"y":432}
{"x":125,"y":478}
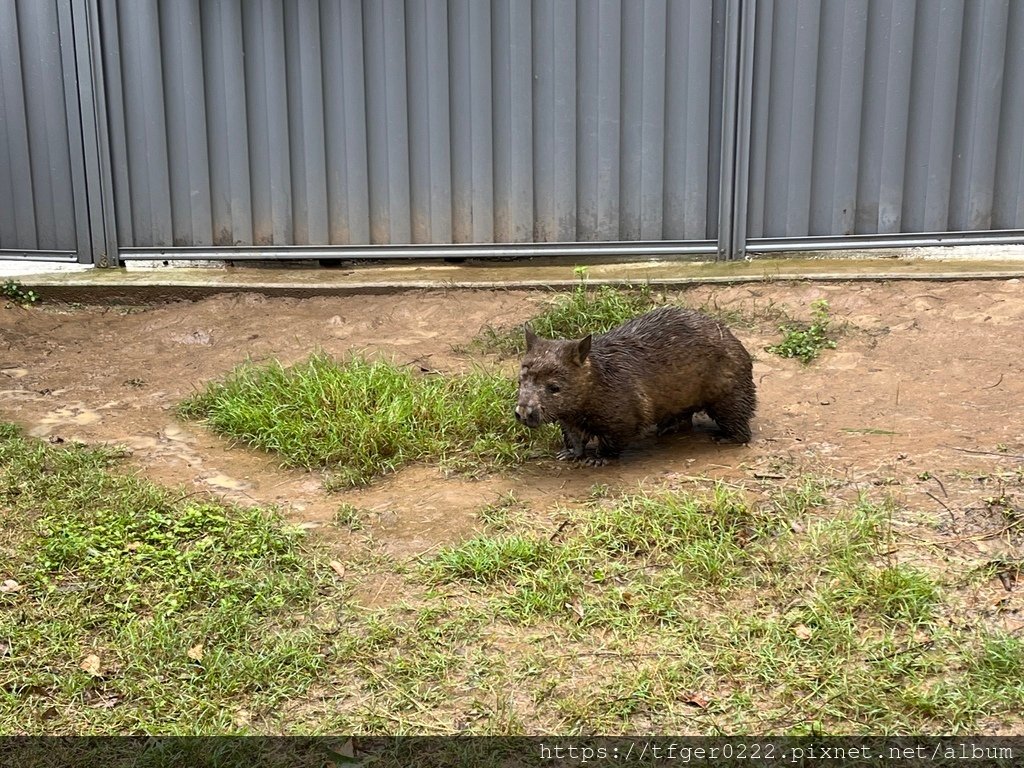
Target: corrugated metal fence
{"x":873,"y":118}
{"x":42,"y":197}
{"x":256,"y":128}
{"x":390,"y":122}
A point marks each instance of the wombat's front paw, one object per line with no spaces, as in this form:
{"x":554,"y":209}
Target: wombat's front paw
{"x":567,"y":454}
{"x":595,"y":461}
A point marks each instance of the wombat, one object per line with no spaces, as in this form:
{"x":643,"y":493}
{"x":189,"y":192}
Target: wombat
{"x":652,"y":372}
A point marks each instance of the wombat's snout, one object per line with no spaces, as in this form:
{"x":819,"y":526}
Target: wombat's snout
{"x":527,"y":416}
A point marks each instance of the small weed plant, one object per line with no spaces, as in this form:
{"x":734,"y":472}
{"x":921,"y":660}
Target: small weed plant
{"x":584,"y":310}
{"x":360,"y":419}
{"x":805,"y":341}
{"x":15,"y":292}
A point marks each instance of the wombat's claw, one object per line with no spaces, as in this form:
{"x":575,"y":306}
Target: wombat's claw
{"x":595,"y":461}
{"x":566,"y":454}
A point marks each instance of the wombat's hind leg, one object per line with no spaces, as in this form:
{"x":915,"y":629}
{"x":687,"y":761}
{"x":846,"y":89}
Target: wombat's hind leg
{"x":607,"y":449}
{"x":732,"y":415}
{"x":574,"y":445}
{"x":680,"y":421}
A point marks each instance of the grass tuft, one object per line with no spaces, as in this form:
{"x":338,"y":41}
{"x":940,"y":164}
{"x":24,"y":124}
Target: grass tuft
{"x":701,"y":536}
{"x":362,"y":419}
{"x":503,"y":513}
{"x":573,"y":315}
{"x":487,"y":560}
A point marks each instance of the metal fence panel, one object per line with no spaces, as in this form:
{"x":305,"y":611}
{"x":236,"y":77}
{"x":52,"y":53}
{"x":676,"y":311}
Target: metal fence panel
{"x":42,"y":200}
{"x":694,"y":46}
{"x":223,"y":62}
{"x":1008,"y":202}
{"x":886,"y":116}
{"x":295,"y":128}
{"x":339,"y":122}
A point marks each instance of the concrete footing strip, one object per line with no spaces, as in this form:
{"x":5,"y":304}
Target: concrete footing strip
{"x":155,"y":289}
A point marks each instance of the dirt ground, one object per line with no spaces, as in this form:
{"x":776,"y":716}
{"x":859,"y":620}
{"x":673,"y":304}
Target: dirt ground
{"x":924,"y":394}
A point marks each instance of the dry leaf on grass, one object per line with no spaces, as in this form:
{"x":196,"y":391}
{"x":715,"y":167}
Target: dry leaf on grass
{"x":10,"y":585}
{"x":577,"y":608}
{"x":105,"y":702}
{"x":697,"y":700}
{"x":91,"y":664}
{"x":196,"y":652}
{"x":802,"y":631}
{"x":338,"y":568}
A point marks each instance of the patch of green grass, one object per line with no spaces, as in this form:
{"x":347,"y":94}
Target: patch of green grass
{"x":667,"y":543}
{"x":361,"y":419}
{"x":999,"y":663}
{"x":895,"y":593}
{"x":142,"y":609}
{"x":784,"y":610}
{"x":573,"y":315}
{"x":503,"y":513}
{"x":703,"y":537}
{"x":13,"y":291}
{"x":805,"y":341}
{"x":721,"y":613}
{"x":410,"y":660}
{"x":795,"y":501}
{"x":349,"y":516}
{"x":486,"y":560}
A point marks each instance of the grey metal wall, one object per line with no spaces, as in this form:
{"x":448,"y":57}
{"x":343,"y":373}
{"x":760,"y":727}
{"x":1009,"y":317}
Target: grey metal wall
{"x":340,"y":122}
{"x":42,"y":194}
{"x":248,"y":128}
{"x":870,"y":117}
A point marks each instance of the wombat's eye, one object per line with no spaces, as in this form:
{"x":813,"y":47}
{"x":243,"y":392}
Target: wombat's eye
{"x":554,"y":389}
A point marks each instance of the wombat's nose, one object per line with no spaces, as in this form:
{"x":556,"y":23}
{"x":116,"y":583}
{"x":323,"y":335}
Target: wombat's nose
{"x":528,"y":416}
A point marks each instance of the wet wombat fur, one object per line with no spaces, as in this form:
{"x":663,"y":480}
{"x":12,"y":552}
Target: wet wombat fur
{"x":654,"y":371}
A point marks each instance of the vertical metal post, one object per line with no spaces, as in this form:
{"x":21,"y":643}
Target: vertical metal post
{"x":730,"y":106}
{"x":744,"y":107}
{"x":736,"y":111}
{"x":99,"y":189}
{"x":72,"y":122}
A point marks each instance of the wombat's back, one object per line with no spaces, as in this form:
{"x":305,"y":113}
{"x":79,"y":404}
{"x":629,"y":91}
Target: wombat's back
{"x":674,"y":339}
{"x":672,"y":361}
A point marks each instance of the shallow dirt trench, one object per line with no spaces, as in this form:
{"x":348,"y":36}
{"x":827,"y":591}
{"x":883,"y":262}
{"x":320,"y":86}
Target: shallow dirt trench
{"x":926,"y":381}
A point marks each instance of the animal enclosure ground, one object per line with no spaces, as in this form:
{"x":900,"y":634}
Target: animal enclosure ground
{"x":857,"y":566}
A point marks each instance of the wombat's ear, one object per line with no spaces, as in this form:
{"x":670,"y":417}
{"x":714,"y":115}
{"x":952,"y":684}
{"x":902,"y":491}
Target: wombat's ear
{"x":583,"y":348}
{"x":531,"y":337}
